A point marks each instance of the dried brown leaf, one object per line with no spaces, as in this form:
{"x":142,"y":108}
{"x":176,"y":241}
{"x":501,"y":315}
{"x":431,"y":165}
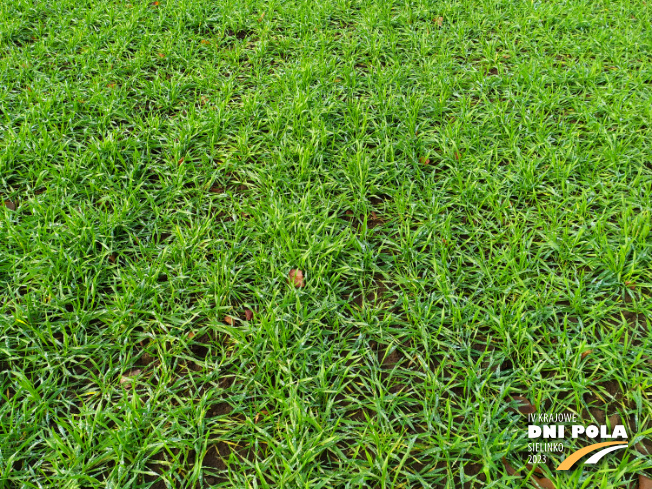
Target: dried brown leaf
{"x":249,"y":314}
{"x":423,"y":160}
{"x":644,"y":482}
{"x":127,"y":377}
{"x":10,"y":205}
{"x":543,"y":483}
{"x":524,"y":406}
{"x":536,"y":468}
{"x":586,"y":354}
{"x":510,"y":470}
{"x":229,"y":320}
{"x":295,"y":277}
{"x":258,"y":415}
{"x":439,"y":21}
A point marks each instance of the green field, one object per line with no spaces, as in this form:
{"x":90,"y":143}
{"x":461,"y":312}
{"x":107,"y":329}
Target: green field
{"x":465,"y":186}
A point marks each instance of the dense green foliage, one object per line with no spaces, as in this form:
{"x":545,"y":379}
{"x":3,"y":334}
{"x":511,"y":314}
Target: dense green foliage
{"x":467,"y":187}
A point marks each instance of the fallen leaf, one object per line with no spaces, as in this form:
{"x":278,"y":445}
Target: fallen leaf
{"x":204,"y":41}
{"x":337,"y":80}
{"x":586,"y":354}
{"x":543,"y":482}
{"x":525,"y":407}
{"x":295,"y":277}
{"x":260,"y":19}
{"x":457,"y":155}
{"x":249,"y":314}
{"x":229,"y":320}
{"x":181,"y":161}
{"x":439,"y":21}
{"x":537,"y":469}
{"x":644,"y":482}
{"x":112,"y":258}
{"x":191,"y":335}
{"x":423,"y":160}
{"x":127,"y":377}
{"x":510,"y":470}
{"x":10,"y":205}
{"x":374,"y":216}
{"x":155,"y":4}
{"x":111,"y":85}
{"x":161,"y":55}
{"x":263,"y":412}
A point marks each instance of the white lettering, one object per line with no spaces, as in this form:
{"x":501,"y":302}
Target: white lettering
{"x":533,"y":431}
{"x":577,"y":430}
{"x":603,"y":432}
{"x":592,"y":431}
{"x":549,"y":431}
{"x":619,"y":432}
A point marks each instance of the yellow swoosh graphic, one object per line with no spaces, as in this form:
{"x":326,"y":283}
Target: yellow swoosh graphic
{"x":575,"y":456}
